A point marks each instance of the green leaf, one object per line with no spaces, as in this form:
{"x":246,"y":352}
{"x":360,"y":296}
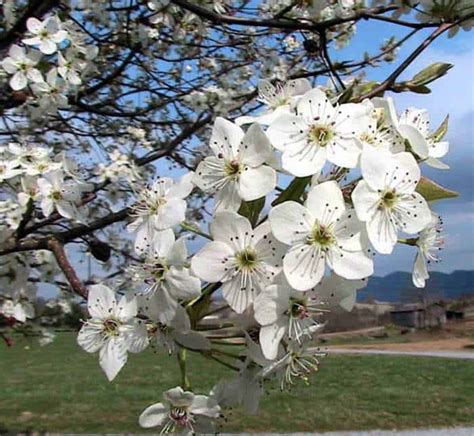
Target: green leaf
{"x":294,"y":190}
{"x":431,"y":73}
{"x":438,"y":135}
{"x":251,"y":209}
{"x":431,"y":191}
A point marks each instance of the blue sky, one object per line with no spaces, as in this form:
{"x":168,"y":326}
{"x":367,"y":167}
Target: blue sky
{"x":451,"y":94}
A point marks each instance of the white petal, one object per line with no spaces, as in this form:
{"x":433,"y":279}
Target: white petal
{"x":228,"y":199}
{"x":418,"y":142}
{"x":286,"y":130}
{"x":297,"y":87}
{"x":326,"y":203}
{"x":210,"y":174}
{"x":182,"y":284}
{"x":18,"y":81}
{"x":290,"y":222}
{"x":350,"y":265}
{"x":238,"y":297}
{"x":406,"y":173}
{"x":208,"y":264}
{"x":162,"y":243}
{"x":178,"y":253}
{"x":47,"y":46}
{"x":382,"y":232}
{"x":232,"y":229}
{"x":101,"y":301}
{"x":376,"y":165}
{"x":413,"y":213}
{"x":112,"y":357}
{"x":366,"y":201}
{"x":344,"y":152}
{"x":304,"y":266}
{"x":255,"y":148}
{"x":126,"y":307}
{"x":315,"y":104}
{"x":271,"y":304}
{"x":256,"y":182}
{"x":225,"y":138}
{"x":439,"y":149}
{"x":303,"y":159}
{"x":270,"y":337}
{"x":90,"y":338}
{"x":34,"y":25}
{"x":154,"y":416}
{"x":183,"y":187}
{"x":137,"y":338}
{"x":420,"y":272}
{"x":170,"y":214}
{"x":205,"y":406}
{"x":436,"y":163}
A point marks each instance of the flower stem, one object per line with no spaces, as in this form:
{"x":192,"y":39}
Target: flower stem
{"x":193,"y":229}
{"x":182,"y":366}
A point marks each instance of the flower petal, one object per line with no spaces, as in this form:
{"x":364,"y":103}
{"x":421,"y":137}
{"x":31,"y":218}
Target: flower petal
{"x":382,"y":232}
{"x":232,"y":229}
{"x":154,"y":416}
{"x":225,"y":138}
{"x":255,"y":148}
{"x":326,"y":203}
{"x":112,"y":357}
{"x":270,"y":337}
{"x":290,"y":222}
{"x":208,"y":264}
{"x":304,"y":266}
{"x":256,"y":182}
{"x":101,"y":301}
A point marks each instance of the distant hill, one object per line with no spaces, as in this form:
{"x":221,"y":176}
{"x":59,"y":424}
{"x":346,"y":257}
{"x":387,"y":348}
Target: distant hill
{"x":398,"y":286}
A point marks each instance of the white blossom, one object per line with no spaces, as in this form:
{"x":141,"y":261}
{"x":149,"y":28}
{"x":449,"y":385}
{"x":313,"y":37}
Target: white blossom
{"x":21,"y":64}
{"x":181,"y":411}
{"x":165,"y":275}
{"x":47,"y":34}
{"x":113,"y":329}
{"x":284,"y":312}
{"x":321,"y":232}
{"x":245,"y":260}
{"x":429,"y":240}
{"x":386,"y":199}
{"x":236,"y":172}
{"x":278,"y":99}
{"x":160,"y":207}
{"x":62,"y":195}
{"x":318,"y":132}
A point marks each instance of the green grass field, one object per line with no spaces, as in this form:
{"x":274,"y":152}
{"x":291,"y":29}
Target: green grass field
{"x":60,"y":388}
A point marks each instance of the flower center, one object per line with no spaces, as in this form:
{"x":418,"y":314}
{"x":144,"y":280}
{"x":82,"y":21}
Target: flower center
{"x":389,"y":200}
{"x":180,"y":416}
{"x":298,"y":308}
{"x":111,"y":327}
{"x":322,"y":236}
{"x":320,"y":135}
{"x":232,"y":168}
{"x":158,"y":271}
{"x":56,"y":195}
{"x":247,"y":258}
{"x":155,"y":205}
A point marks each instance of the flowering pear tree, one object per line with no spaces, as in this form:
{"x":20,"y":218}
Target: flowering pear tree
{"x":164,"y":161}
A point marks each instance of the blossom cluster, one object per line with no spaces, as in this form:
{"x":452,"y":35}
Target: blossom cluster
{"x":49,"y":64}
{"x":283,"y":266}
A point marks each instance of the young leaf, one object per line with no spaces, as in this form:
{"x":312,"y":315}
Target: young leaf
{"x":438,"y":135}
{"x":293,"y":191}
{"x":431,"y":73}
{"x":251,"y":209}
{"x":431,"y":191}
